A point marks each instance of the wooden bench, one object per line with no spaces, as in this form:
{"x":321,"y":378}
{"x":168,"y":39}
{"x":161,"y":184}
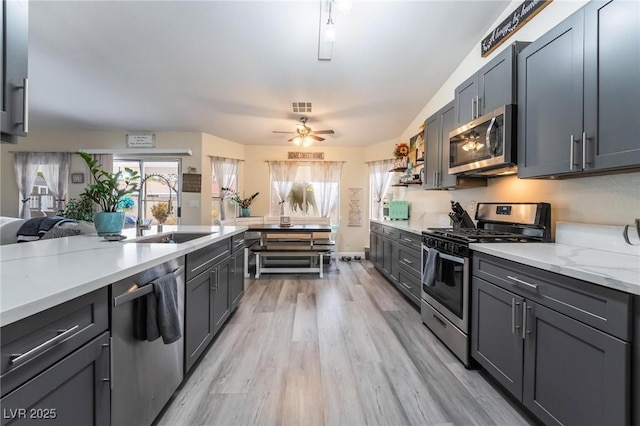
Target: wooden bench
{"x":284,"y":252}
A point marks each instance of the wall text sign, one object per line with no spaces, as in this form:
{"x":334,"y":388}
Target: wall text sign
{"x":523,"y":14}
{"x":306,"y":156}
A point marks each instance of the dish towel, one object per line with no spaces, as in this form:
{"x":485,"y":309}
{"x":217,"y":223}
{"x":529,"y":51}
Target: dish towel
{"x":145,"y":323}
{"x":165,"y":290}
{"x":429,"y":270}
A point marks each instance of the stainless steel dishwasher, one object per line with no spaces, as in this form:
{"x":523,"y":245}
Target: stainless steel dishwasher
{"x":144,"y":374}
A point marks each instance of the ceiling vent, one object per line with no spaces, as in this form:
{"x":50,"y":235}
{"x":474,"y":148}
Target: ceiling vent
{"x":298,"y":107}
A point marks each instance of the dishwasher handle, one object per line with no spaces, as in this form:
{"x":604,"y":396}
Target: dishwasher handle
{"x":142,"y":291}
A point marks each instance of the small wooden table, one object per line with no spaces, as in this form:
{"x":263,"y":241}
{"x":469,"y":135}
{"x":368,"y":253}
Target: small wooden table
{"x":275,"y":247}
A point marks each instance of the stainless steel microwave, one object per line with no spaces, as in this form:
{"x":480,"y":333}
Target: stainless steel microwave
{"x":485,"y":146}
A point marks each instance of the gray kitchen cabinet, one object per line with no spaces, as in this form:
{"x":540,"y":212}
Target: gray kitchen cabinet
{"x":199,"y":330}
{"x":221,"y":277}
{"x":236,"y":284}
{"x":611,"y":84}
{"x":559,"y":345}
{"x":436,"y":154}
{"x":55,"y":364}
{"x":578,"y":92}
{"x":496,"y":338}
{"x":493,"y":86}
{"x":207,"y":297}
{"x":14,"y":68}
{"x":74,"y":391}
{"x":396,"y":254}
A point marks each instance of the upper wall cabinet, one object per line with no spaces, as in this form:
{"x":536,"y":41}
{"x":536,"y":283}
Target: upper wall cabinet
{"x":14,"y":118}
{"x":436,"y":162}
{"x":578,"y":93}
{"x":491,"y":87}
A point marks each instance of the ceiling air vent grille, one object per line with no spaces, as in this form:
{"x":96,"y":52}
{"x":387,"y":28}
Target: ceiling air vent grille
{"x":298,"y":107}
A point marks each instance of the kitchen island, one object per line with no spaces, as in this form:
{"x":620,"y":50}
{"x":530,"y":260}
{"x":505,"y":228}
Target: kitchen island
{"x":39,"y":275}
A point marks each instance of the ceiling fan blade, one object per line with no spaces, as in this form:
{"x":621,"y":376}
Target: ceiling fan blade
{"x":323,"y":132}
{"x":318,"y":138}
{"x":295,"y":137}
{"x":278,"y":131}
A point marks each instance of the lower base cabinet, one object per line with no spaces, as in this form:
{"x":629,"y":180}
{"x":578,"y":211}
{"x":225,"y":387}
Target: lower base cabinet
{"x":236,"y":285}
{"x":206,"y":309}
{"x":74,"y":391}
{"x":566,"y":372}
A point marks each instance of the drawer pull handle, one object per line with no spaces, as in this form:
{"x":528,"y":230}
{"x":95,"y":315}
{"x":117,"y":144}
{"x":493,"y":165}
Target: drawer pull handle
{"x":407,"y":260}
{"x":440,"y":320}
{"x":407,"y":286}
{"x":409,"y":240}
{"x":533,"y":286}
{"x":18,"y":358}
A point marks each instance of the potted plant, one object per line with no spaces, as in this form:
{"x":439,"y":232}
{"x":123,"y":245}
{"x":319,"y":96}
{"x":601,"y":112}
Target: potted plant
{"x":243,"y":203}
{"x":106,"y":191}
{"x":79,"y":209}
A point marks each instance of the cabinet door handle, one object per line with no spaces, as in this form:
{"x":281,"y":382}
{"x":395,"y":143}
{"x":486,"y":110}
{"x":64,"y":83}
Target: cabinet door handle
{"x":19,"y":358}
{"x":473,"y":113}
{"x":524,"y":319}
{"x":533,"y":286}
{"x":477,"y":106}
{"x":524,"y":329}
{"x":514,"y":323}
{"x":572,"y":162}
{"x":25,"y":105}
{"x":584,"y":151}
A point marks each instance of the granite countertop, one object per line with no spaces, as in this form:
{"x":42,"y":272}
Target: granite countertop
{"x":593,"y":253}
{"x":39,"y":275}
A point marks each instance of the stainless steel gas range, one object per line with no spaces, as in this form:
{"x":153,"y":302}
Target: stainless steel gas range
{"x":446,"y":262}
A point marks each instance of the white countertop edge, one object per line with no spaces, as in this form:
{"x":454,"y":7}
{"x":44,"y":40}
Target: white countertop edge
{"x":623,"y":276}
{"x":35,"y":305}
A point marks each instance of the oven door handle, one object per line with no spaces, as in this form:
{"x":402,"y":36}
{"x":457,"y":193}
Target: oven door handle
{"x":446,"y":256}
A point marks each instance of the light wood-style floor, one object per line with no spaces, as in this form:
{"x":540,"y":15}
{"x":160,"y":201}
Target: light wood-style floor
{"x":344,"y":350}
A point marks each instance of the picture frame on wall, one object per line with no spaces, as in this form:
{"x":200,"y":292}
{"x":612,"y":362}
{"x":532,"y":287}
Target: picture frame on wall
{"x":77,"y":177}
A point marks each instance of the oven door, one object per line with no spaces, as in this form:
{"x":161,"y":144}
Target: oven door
{"x":450,"y":293}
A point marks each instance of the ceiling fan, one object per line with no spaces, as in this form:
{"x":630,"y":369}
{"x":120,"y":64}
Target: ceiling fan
{"x":305,"y":135}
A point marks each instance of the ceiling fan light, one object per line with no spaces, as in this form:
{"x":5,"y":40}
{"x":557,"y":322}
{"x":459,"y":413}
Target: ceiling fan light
{"x":306,"y":142}
{"x":297,"y":141}
{"x":330,"y":31}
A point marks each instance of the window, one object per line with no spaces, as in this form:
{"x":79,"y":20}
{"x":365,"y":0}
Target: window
{"x":305,"y":189}
{"x":379,"y":181}
{"x":224,"y":175}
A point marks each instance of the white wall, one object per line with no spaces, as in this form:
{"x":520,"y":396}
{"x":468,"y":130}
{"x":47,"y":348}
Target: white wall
{"x":612,"y":199}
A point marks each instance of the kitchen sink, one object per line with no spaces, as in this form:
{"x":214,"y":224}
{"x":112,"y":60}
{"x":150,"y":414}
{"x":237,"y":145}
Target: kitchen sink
{"x":171,"y":238}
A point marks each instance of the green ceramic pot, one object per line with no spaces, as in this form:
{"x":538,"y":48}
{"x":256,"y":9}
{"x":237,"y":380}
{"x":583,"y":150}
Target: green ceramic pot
{"x":108,"y":223}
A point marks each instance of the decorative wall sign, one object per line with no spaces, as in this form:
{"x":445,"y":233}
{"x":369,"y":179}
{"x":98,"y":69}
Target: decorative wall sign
{"x":141,"y":140}
{"x":523,"y":14}
{"x":355,"y":207}
{"x":191,"y":182}
{"x":77,"y":177}
{"x":306,"y":156}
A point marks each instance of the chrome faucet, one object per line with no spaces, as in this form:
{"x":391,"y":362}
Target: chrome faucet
{"x":141,"y":224}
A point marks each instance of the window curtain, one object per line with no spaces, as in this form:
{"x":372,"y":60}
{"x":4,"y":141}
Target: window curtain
{"x":380,"y":179}
{"x":282,"y":175}
{"x":326,"y":178}
{"x":106,"y":163}
{"x":56,"y":168}
{"x":225,"y":170}
{"x":26,"y":168}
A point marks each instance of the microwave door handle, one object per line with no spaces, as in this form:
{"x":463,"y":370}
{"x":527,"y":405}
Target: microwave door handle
{"x":488,"y":138}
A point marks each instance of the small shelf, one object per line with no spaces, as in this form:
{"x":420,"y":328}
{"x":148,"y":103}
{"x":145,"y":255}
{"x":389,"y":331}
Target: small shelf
{"x":398,"y":169}
{"x":411,"y":182}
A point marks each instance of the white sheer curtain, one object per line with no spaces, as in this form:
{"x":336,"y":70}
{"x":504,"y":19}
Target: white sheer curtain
{"x":326,"y":178}
{"x":55,"y":168}
{"x":282,"y":175}
{"x":26,"y":167}
{"x":225,"y":171}
{"x":105,"y":161}
{"x":380,"y":179}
